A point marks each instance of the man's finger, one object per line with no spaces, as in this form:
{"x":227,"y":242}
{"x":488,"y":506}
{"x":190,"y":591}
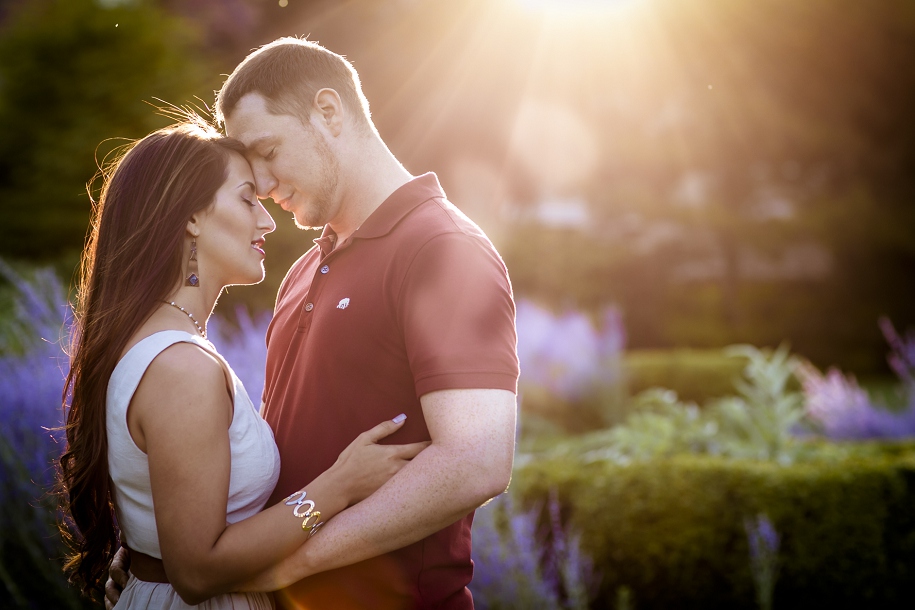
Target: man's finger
{"x":117,"y":571}
{"x":112,"y":593}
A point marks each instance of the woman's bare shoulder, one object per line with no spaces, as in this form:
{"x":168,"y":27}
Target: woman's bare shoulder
{"x":184,"y":374}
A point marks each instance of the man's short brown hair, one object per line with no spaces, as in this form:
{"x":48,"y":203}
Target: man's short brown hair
{"x":288,"y":73}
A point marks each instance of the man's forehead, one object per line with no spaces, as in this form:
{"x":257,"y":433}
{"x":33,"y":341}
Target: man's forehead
{"x":249,"y":120}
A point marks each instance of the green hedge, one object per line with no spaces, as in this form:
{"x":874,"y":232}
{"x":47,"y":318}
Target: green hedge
{"x":672,"y":530}
{"x":696,"y":375}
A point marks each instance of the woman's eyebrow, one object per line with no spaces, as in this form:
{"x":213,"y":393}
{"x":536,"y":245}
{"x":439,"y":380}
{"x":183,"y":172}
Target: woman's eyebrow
{"x":246,"y":183}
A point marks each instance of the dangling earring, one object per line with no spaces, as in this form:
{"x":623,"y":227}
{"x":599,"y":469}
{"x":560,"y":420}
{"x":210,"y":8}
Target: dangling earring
{"x":192,"y":278}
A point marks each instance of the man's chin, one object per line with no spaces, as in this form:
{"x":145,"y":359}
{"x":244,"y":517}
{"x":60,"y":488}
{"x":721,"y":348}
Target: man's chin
{"x":305,"y":225}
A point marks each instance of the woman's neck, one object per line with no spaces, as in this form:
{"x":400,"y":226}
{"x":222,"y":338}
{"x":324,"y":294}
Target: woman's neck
{"x":198,"y":301}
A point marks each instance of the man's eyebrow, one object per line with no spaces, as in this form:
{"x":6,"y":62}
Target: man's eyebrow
{"x":256,"y":142}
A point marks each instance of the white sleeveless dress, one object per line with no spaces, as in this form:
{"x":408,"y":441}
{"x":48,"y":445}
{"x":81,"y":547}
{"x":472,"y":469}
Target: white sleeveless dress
{"x":254,"y":472}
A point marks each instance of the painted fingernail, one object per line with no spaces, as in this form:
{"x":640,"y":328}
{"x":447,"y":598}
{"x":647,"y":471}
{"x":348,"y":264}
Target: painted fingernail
{"x":399,"y":418}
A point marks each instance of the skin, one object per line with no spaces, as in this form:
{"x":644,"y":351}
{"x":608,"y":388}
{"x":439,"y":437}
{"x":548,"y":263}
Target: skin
{"x":183,"y":407}
{"x":470,"y":458}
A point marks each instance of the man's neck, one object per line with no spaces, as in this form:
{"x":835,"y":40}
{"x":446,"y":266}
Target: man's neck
{"x":370,"y":178}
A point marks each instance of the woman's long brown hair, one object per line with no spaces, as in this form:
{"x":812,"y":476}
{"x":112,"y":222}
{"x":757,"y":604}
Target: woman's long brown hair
{"x":132,"y":261}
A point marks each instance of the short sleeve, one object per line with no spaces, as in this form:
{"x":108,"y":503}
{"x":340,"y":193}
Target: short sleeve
{"x":458,"y":317}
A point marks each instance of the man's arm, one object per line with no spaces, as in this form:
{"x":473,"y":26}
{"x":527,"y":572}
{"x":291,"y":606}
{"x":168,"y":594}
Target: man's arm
{"x":468,"y":463}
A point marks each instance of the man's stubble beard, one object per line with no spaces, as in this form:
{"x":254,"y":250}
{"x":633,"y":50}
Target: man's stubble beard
{"x":318,"y":213}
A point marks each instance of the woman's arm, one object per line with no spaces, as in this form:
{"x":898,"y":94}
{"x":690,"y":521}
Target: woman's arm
{"x":180,"y":417}
{"x":468,"y":462}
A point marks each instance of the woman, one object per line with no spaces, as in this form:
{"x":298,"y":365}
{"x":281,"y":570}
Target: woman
{"x":160,"y":431}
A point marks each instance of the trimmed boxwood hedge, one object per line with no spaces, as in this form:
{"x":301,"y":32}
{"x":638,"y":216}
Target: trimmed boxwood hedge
{"x":671,"y":530}
{"x":696,"y":375}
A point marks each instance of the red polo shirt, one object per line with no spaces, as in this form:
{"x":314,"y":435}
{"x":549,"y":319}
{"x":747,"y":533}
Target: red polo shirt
{"x":416,"y":300}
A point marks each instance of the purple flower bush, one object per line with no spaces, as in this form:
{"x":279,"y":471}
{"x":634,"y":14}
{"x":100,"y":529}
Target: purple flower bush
{"x":843,"y":410}
{"x":32,"y":369}
{"x":518,"y":564}
{"x":243,"y":347}
{"x":565,"y":354}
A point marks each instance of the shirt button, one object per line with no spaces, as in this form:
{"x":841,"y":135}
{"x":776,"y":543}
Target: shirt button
{"x":309,"y":306}
{"x":325,"y":269}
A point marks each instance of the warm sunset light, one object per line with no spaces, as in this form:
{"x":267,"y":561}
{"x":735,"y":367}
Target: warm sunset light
{"x":649,"y":261}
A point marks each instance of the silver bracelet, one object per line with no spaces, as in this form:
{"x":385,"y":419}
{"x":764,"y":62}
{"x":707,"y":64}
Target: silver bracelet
{"x":299,"y":503}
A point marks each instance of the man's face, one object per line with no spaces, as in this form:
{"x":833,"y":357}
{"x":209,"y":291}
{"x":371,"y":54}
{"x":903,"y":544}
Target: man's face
{"x":291,"y":161}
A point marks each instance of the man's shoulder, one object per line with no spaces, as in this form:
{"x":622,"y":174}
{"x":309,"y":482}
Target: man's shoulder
{"x":437,"y":218}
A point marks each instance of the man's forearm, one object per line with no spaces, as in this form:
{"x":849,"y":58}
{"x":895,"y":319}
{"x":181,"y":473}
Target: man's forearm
{"x":427,"y":495}
{"x":468,"y":463}
{"x":440,"y":485}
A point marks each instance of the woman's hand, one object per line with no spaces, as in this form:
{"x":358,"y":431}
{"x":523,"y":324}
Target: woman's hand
{"x":359,"y":471}
{"x":364,"y":465}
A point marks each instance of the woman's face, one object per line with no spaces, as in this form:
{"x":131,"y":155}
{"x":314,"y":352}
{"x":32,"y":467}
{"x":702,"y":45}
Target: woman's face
{"x":232,"y":230}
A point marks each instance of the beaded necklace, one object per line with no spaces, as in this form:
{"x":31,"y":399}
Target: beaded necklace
{"x":200,"y":330}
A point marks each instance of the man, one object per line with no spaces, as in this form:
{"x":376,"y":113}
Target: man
{"x":403,"y":305}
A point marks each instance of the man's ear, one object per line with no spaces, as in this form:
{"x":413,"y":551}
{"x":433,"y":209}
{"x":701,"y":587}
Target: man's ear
{"x":329,"y":110}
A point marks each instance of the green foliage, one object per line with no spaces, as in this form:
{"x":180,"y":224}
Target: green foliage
{"x":546,"y":413}
{"x":671,"y":530}
{"x":75,"y":73}
{"x":696,"y":375}
{"x":755,"y":423}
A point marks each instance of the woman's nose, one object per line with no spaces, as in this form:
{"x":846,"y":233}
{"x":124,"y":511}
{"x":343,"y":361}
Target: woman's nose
{"x":265,"y":221}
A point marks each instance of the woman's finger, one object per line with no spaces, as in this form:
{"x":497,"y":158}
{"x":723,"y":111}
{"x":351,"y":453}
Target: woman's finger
{"x":408,"y":452}
{"x":384,"y":429}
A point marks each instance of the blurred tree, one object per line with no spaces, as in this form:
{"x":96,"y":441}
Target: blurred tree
{"x":76,"y":74}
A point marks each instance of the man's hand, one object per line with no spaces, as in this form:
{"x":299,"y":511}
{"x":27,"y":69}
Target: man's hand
{"x":117,"y":577}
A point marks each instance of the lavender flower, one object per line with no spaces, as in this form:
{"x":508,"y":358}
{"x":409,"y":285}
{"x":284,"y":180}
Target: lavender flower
{"x":764,"y":542}
{"x":32,"y":370}
{"x":902,"y":355}
{"x":844,"y":411}
{"x":517,"y":566}
{"x":565,"y":354}
{"x":567,"y":567}
{"x":244,"y":349}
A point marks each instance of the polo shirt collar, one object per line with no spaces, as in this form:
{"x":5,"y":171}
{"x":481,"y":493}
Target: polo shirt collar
{"x":391,"y":211}
{"x":400,"y":203}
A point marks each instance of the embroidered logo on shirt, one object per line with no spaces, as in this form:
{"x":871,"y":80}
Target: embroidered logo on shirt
{"x":343,"y":304}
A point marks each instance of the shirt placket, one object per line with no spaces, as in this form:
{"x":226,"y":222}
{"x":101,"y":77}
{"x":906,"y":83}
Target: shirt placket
{"x":318,"y":281}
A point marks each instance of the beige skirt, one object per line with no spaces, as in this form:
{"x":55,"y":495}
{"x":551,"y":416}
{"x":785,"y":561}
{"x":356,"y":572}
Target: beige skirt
{"x":155,"y":595}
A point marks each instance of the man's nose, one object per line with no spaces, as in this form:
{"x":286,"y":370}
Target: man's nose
{"x":264,"y":182}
